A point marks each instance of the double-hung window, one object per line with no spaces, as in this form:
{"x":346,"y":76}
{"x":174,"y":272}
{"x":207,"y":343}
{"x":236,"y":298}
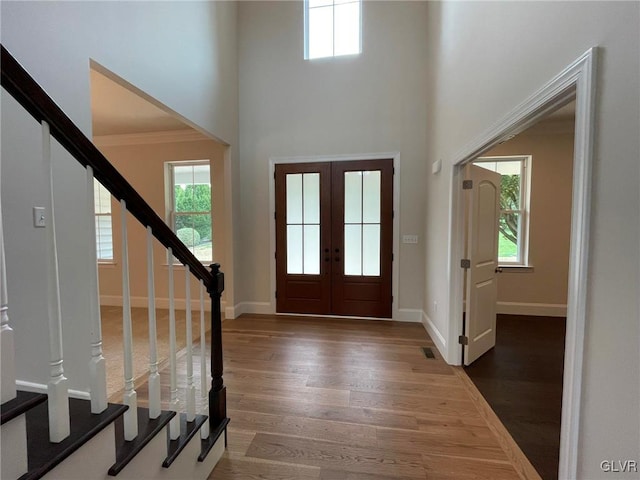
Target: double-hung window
{"x":189,"y":202}
{"x":104,"y":231}
{"x":515,"y":185}
{"x":332,"y":28}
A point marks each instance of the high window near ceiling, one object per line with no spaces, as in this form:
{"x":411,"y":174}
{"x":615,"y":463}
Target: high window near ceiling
{"x":189,"y":205}
{"x":332,"y":28}
{"x":515,"y":182}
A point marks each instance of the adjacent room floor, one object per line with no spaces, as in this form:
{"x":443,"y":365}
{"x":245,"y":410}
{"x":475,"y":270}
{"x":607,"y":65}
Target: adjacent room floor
{"x":521,"y":379}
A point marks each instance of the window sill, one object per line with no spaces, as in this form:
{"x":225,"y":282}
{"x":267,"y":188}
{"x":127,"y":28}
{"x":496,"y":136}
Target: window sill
{"x":107,"y":264}
{"x":517,"y":268}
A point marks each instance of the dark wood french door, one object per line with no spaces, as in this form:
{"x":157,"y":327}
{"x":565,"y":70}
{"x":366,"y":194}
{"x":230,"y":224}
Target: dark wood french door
{"x":334,"y":237}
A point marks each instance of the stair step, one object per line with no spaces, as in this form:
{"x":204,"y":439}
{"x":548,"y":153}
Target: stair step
{"x":187,"y":431}
{"x":207,"y":444}
{"x":43,"y":455}
{"x":147,"y":430}
{"x":23,"y":402}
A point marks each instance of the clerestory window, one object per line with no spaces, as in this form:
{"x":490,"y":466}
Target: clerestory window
{"x":332,"y":28}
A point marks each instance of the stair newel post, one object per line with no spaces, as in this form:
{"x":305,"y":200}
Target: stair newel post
{"x":154,"y":376}
{"x":204,"y":404}
{"x":57,"y":390}
{"x":97,"y":367}
{"x":174,"y":425}
{"x":8,"y":377}
{"x":191,"y":388}
{"x":218,"y":392}
{"x":130,"y":396}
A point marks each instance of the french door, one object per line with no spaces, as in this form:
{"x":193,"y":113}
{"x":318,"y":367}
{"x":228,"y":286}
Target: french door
{"x":334,"y":237}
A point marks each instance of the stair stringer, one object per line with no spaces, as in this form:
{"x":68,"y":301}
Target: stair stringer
{"x":89,"y":462}
{"x":148,"y":463}
{"x":14,"y":448}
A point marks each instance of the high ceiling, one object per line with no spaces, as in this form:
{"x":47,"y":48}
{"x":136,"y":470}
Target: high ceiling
{"x":117,"y":110}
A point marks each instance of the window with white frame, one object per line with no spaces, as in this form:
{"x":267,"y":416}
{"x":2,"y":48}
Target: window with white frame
{"x":104,"y":230}
{"x":332,"y":28}
{"x":513,"y":235}
{"x":189,"y":202}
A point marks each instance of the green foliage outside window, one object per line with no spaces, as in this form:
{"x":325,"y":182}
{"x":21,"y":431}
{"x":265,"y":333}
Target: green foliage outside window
{"x":189,"y":200}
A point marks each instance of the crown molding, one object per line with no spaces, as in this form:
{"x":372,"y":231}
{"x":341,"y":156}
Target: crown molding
{"x":172,"y":136}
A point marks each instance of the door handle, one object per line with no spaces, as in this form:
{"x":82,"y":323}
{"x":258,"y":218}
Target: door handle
{"x":498,"y":269}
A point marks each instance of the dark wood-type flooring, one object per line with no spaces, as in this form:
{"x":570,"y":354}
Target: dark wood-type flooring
{"x":521,"y":379}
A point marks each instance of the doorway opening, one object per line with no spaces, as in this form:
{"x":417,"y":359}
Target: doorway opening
{"x":520,"y":376}
{"x":575,"y":82}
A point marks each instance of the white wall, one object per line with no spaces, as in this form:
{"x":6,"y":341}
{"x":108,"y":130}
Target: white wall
{"x":374,"y":102}
{"x":485,"y":59}
{"x":181,"y":53}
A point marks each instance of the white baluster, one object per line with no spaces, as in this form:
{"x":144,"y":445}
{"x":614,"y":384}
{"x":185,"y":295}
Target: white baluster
{"x":8,"y":377}
{"x":154,"y":376}
{"x":130,"y":396}
{"x":174,"y":425}
{"x":57,"y":390}
{"x":191,"y":388}
{"x":204,"y":397}
{"x":97,"y":366}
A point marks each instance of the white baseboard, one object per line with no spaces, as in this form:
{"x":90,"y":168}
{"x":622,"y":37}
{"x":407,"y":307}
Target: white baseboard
{"x":141,"y":302}
{"x":434,"y":333}
{"x":408,"y":315}
{"x":42,"y":388}
{"x":534,"y":309}
{"x":262,"y":308}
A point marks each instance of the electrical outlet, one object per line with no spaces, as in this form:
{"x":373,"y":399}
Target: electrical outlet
{"x":39,"y":219}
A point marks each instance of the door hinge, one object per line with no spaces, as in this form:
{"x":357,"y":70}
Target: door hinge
{"x":275,"y":215}
{"x":465,"y":263}
{"x":276,"y":294}
{"x":392,"y":257}
{"x":274,"y":174}
{"x":393,"y":214}
{"x":467,"y":184}
{"x":393,"y":171}
{"x":275,"y":255}
{"x":463,"y":340}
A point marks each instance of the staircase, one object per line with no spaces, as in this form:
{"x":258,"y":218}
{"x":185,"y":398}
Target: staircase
{"x":50,"y":432}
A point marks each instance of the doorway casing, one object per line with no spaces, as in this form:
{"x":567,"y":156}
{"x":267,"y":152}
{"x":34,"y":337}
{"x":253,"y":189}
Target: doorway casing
{"x":397,"y":313}
{"x":576,"y":81}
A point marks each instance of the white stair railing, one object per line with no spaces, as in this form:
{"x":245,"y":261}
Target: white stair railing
{"x":174,"y":425}
{"x":154,"y":376}
{"x":130,"y":396}
{"x":8,"y":377}
{"x":191,"y":388}
{"x":97,"y":364}
{"x":204,"y":399}
{"x":57,"y":390}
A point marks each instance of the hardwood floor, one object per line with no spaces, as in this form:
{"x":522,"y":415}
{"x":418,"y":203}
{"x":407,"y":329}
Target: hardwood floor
{"x":521,"y":378}
{"x":334,"y":399}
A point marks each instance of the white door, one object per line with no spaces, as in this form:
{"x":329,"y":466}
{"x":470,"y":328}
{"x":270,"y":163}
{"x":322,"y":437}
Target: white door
{"x":482,"y":251}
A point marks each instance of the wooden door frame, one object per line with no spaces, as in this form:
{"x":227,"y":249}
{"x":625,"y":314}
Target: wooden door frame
{"x":577,"y":81}
{"x":397,"y":314}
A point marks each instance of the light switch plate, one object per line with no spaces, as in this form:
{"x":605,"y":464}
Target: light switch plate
{"x":39,"y":219}
{"x":410,"y":239}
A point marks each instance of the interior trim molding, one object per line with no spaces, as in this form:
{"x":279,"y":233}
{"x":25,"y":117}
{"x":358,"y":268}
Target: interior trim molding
{"x":161,"y":302}
{"x":577,"y":81}
{"x":433,"y":331}
{"x":533,"y":309}
{"x":149,"y":138}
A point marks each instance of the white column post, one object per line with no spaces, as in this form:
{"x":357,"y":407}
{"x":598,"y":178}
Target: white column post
{"x":191,"y":388}
{"x":57,"y":390}
{"x":204,"y":394}
{"x":154,"y":376}
{"x":8,"y":377}
{"x":174,"y":425}
{"x":97,"y":367}
{"x":130,"y":396}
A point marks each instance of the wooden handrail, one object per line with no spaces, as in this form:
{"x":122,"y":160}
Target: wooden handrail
{"x":17,"y":81}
